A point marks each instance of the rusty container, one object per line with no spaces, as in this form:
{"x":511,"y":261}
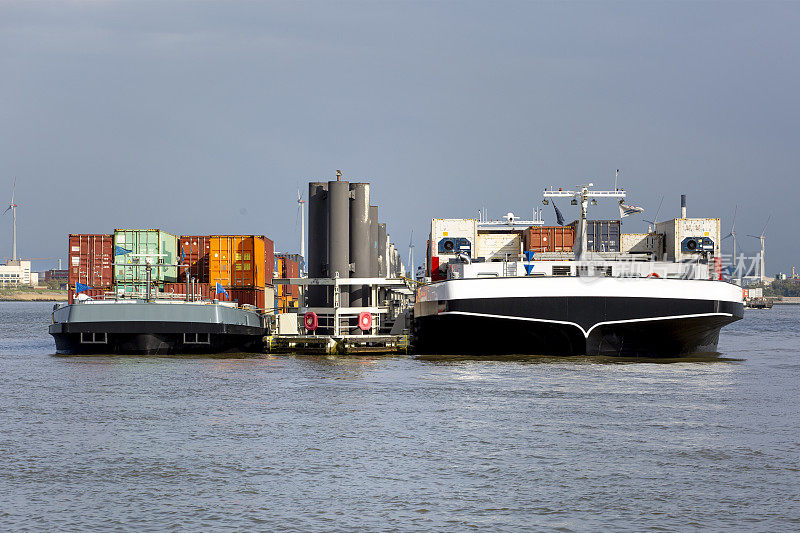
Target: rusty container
{"x":251,"y":296}
{"x":94,"y":294}
{"x":91,"y":260}
{"x":178,"y":290}
{"x":194,"y":250}
{"x":548,"y":238}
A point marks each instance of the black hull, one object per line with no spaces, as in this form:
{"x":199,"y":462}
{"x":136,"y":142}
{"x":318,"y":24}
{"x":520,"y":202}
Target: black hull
{"x":149,"y":338}
{"x":545,"y":326}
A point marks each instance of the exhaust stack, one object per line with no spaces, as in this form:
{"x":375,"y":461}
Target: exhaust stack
{"x":683,"y":206}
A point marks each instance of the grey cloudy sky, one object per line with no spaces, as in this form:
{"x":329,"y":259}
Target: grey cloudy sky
{"x":205,"y":117}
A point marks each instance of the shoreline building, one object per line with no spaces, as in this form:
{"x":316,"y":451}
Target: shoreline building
{"x":17,"y":273}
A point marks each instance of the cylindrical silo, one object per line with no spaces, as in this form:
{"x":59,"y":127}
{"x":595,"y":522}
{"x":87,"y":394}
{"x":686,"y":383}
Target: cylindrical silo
{"x":359,"y":242}
{"x":382,"y":267}
{"x":317,"y":242}
{"x":374,"y":271}
{"x":392,"y":258}
{"x":339,"y":235}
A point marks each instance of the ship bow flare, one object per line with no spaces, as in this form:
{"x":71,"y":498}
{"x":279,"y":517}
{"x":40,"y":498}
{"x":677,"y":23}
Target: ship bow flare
{"x":574,"y":316}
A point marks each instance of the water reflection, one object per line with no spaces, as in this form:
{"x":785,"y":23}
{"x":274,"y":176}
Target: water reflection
{"x":714,"y":357}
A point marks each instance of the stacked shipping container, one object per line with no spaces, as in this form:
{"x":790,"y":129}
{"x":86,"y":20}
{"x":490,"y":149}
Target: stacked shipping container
{"x":244,"y":265}
{"x":548,"y":238}
{"x":134,"y":249}
{"x":287,"y":297}
{"x":194,"y":250}
{"x":240,"y":261}
{"x":91,"y":260}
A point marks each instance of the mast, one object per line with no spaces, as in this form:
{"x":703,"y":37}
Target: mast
{"x":300,"y":205}
{"x":582,"y":194}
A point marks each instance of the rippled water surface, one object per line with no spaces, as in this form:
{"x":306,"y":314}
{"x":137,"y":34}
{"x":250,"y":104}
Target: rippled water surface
{"x":310,"y":444}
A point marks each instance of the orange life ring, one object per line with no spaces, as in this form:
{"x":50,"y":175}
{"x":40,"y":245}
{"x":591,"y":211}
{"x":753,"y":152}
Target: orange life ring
{"x":365,"y":320}
{"x":310,"y":321}
{"x":653,"y":275}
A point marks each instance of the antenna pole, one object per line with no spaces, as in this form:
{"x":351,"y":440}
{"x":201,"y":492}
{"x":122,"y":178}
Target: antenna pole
{"x":411,"y":255}
{"x":300,"y":203}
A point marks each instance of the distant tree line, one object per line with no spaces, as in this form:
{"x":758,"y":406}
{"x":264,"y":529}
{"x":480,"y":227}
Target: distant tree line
{"x":783,"y":287}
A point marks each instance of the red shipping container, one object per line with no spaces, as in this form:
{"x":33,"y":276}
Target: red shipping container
{"x":193,"y":252}
{"x":244,"y":296}
{"x":94,"y":294}
{"x":91,"y":260}
{"x":178,"y":291}
{"x":549,"y":238}
{"x":289,"y":268}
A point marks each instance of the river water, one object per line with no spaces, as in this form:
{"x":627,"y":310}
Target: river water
{"x":396,"y":444}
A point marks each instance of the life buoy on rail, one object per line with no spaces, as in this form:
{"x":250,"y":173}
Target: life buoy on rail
{"x":310,"y":320}
{"x":365,"y":321}
{"x":653,"y":275}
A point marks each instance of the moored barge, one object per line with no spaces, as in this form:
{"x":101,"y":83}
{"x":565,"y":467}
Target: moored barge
{"x":156,"y":327}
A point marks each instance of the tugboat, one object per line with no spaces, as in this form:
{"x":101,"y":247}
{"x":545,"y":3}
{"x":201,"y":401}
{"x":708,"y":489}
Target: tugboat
{"x":607,"y":304}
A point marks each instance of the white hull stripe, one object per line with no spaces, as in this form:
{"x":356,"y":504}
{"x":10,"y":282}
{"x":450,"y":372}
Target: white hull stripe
{"x":585,"y":333}
{"x":529,"y":287}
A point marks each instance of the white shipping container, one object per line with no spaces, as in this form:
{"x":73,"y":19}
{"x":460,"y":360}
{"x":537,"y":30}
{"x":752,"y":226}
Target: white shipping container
{"x":453,"y":228}
{"x":499,"y":246}
{"x":642,"y":243}
{"x":678,"y":229}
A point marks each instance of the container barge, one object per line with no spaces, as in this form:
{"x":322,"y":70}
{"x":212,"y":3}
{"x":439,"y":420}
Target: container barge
{"x":156,"y":327}
{"x":592,"y":300}
{"x":146,"y":291}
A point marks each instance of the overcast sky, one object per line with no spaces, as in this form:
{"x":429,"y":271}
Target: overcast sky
{"x":205,"y":117}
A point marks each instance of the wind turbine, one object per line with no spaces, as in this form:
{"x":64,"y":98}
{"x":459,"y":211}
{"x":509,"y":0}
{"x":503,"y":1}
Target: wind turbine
{"x":762,"y":238}
{"x":13,"y":208}
{"x":300,"y":211}
{"x":733,"y":233}
{"x":411,"y":255}
{"x":655,"y":218}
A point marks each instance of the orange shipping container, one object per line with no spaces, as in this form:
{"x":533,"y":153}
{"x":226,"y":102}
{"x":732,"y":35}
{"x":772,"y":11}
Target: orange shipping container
{"x":548,"y":238}
{"x":238,"y":261}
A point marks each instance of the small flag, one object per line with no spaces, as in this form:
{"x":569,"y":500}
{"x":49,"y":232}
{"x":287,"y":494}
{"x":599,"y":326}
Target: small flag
{"x":559,"y":216}
{"x":81,"y":287}
{"x":627,"y":210}
{"x":221,"y":289}
{"x":119,"y":250}
{"x":183,"y":254}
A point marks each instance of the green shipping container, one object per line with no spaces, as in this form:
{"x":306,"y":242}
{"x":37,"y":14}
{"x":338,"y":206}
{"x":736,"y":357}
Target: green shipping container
{"x":134,"y":249}
{"x":135,"y":289}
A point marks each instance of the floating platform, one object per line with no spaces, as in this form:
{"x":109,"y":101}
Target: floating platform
{"x":336,"y":345}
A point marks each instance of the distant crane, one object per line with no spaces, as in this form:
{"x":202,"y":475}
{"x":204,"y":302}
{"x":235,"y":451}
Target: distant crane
{"x":762,"y":238}
{"x":301,"y":213}
{"x":13,"y":208}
